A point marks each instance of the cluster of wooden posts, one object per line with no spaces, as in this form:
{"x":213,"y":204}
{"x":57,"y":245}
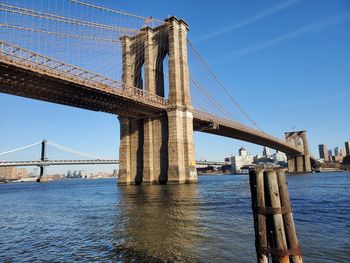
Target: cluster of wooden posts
{"x":275,"y":235}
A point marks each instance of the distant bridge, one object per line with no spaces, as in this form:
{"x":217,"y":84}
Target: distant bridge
{"x":44,"y":161}
{"x":81,"y":162}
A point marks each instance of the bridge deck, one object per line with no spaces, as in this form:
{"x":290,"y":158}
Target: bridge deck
{"x":231,"y":129}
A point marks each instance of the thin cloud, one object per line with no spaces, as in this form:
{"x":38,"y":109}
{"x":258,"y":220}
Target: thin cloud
{"x":311,"y":28}
{"x":311,"y":101}
{"x":249,"y":20}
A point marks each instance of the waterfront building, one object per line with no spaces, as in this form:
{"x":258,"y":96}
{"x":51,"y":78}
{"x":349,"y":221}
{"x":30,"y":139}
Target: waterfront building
{"x":347,"y":148}
{"x":338,"y":158}
{"x":324,"y":154}
{"x":263,"y":159}
{"x":8,"y":173}
{"x":280,"y":158}
{"x":342,"y":152}
{"x":243,"y":159}
{"x":22,"y":173}
{"x":330,"y":155}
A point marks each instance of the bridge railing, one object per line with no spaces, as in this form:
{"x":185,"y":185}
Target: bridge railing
{"x":26,"y":58}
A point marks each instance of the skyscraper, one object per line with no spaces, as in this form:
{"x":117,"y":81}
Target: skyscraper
{"x":322,"y":148}
{"x":266,"y":152}
{"x":330,"y":155}
{"x":242,"y":152}
{"x":347,"y":148}
{"x":336,"y":151}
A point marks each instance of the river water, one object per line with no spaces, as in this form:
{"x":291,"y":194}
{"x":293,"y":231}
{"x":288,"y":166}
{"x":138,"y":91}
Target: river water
{"x":95,"y":221}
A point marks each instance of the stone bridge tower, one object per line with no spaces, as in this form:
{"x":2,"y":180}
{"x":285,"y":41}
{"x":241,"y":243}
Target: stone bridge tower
{"x":298,"y":163}
{"x":158,"y":149}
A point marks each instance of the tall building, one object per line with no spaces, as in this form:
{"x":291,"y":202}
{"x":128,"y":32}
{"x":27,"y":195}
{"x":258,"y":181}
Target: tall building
{"x":336,"y":151}
{"x":347,"y":148}
{"x":266,"y":152}
{"x":342,"y":152}
{"x":242,"y":152}
{"x":279,"y":157}
{"x":330,"y":155}
{"x":243,"y":159}
{"x":324,"y":154}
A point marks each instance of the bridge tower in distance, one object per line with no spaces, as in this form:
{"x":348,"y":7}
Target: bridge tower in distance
{"x":298,"y":163}
{"x":158,"y":149}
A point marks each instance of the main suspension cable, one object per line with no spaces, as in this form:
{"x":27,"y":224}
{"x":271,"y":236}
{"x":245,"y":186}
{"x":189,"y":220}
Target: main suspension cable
{"x":221,"y":85}
{"x":63,"y":19}
{"x":203,"y":90}
{"x":60,"y":33}
{"x":116,"y":11}
{"x":21,"y":148}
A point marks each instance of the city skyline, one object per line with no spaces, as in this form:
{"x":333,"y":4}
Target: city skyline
{"x":285,"y":92}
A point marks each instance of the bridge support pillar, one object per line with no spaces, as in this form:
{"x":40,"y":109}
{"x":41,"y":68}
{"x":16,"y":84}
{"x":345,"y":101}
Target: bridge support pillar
{"x":307,"y":163}
{"x":148,"y":170}
{"x":181,"y":148}
{"x":130,"y":151}
{"x":124,"y":175}
{"x":158,"y":149}
{"x":291,"y":163}
{"x":43,"y":158}
{"x":299,"y":163}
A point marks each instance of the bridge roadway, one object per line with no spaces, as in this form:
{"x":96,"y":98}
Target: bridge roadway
{"x":81,"y":162}
{"x":28,"y":74}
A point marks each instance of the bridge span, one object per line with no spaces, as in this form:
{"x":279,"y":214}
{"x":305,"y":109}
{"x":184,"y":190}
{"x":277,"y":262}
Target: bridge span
{"x":156,"y":133}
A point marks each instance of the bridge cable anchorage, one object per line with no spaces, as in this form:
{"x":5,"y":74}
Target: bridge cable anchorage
{"x":21,"y":148}
{"x":74,"y":151}
{"x":221,"y":84}
{"x":63,"y":19}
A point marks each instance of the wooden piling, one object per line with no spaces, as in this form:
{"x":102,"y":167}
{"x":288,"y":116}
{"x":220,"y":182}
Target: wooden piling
{"x":280,"y":253}
{"x":275,"y":235}
{"x":258,"y":200}
{"x":292,"y":239}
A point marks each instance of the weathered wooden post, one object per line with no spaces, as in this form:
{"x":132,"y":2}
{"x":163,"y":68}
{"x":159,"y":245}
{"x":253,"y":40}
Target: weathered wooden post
{"x":275,"y":235}
{"x":258,"y":200}
{"x":291,"y":234}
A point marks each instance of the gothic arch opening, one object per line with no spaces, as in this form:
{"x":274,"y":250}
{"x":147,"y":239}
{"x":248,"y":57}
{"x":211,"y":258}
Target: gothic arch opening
{"x":161,"y":73}
{"x":139,"y":73}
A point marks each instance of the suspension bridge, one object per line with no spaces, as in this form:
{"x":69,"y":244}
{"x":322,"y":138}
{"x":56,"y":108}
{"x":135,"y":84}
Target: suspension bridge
{"x":144,"y":70}
{"x":43,"y":160}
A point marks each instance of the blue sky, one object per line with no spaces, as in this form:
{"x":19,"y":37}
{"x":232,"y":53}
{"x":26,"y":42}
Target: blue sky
{"x":286,"y":62}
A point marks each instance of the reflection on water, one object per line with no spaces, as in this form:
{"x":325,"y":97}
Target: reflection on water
{"x":161,"y":221}
{"x":96,"y":221}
